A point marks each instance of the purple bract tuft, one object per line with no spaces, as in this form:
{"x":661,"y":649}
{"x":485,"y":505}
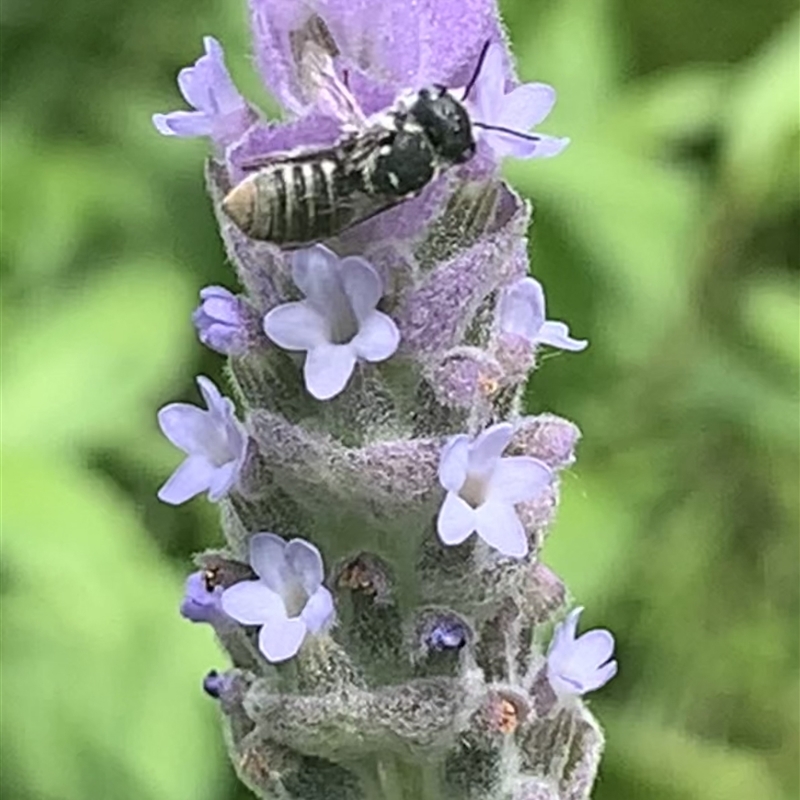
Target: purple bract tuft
{"x":579,"y":665}
{"x":337,"y":324}
{"x":215,"y":443}
{"x":483,"y":488}
{"x":385,"y":49}
{"x":288,"y":601}
{"x":221,"y":113}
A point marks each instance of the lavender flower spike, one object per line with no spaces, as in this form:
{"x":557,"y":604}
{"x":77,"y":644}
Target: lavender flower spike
{"x":337,"y":324}
{"x":579,"y":665}
{"x":522,"y":313}
{"x":220,"y":111}
{"x":435,"y":657}
{"x":288,"y":601}
{"x":214,"y":441}
{"x":221,"y":321}
{"x":482,"y":489}
{"x":518,"y":110}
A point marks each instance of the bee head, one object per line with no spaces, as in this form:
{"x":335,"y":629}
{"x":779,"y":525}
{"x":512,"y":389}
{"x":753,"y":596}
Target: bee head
{"x":446,"y":124}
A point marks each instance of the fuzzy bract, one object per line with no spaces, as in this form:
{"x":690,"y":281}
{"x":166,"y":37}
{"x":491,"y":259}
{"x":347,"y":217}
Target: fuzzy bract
{"x":579,"y":665}
{"x":483,"y":487}
{"x":214,"y":441}
{"x":220,"y":112}
{"x":337,"y":325}
{"x":287,"y":601}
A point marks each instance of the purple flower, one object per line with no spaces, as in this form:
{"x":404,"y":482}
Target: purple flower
{"x":396,"y":44}
{"x":199,"y":604}
{"x":521,"y":313}
{"x":288,"y":601}
{"x":215,"y":443}
{"x":221,"y":321}
{"x":337,"y":324}
{"x":449,"y":632}
{"x":482,"y":489}
{"x":518,"y":110}
{"x":577,"y":666}
{"x":220,"y":111}
{"x":214,"y":684}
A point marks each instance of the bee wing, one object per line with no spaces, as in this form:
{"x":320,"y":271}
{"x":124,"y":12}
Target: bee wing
{"x":314,"y":50}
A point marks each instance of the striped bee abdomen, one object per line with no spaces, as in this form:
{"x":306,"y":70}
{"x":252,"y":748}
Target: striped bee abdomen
{"x":290,"y":203}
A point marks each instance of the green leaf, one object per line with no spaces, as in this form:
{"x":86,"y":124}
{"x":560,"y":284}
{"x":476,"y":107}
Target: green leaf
{"x":762,"y":124}
{"x":651,"y":761}
{"x":101,"y":677}
{"x":593,"y":536}
{"x":772,"y":317}
{"x":88,"y":371}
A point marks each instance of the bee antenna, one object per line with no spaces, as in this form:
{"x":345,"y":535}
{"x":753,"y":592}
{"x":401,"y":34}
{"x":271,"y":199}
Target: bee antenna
{"x":531,"y":137}
{"x":481,"y":59}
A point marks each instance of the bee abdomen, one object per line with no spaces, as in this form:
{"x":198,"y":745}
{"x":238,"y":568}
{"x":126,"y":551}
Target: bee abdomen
{"x":289,"y":203}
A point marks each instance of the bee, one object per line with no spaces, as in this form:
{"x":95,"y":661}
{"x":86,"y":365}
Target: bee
{"x":297,"y":198}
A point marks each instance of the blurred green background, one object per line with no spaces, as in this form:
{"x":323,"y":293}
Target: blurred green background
{"x":667,"y":234}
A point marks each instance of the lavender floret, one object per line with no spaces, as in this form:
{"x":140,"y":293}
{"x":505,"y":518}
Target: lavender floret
{"x":220,"y":112}
{"x":214,"y":441}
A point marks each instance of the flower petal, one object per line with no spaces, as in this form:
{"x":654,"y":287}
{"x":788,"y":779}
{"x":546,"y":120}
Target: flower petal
{"x":600,"y":677}
{"x":328,"y":368}
{"x":595,"y":647}
{"x":319,"y":610}
{"x":305,"y":563}
{"x":517,"y":479}
{"x":361,"y":284}
{"x":223,"y":480}
{"x":489,"y":90}
{"x":526,"y":106}
{"x":377,"y":338}
{"x":194,"y":85}
{"x":556,"y":334}
{"x":488,"y":447}
{"x":521,"y":310}
{"x":213,"y":399}
{"x":296,"y":326}
{"x":252,"y":603}
{"x":499,"y":526}
{"x":564,"y":638}
{"x":454,"y":462}
{"x":268,"y":560}
{"x":516,"y":146}
{"x":192,"y":477}
{"x":224,"y":92}
{"x":187,"y":427}
{"x":456,"y":520}
{"x":280,"y":639}
{"x":315,"y":272}
{"x":182,"y":123}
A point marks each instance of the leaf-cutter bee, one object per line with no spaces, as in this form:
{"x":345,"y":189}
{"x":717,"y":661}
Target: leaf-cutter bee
{"x":311,"y":194}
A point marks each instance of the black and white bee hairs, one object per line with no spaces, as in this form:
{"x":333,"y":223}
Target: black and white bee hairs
{"x":483,"y":125}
